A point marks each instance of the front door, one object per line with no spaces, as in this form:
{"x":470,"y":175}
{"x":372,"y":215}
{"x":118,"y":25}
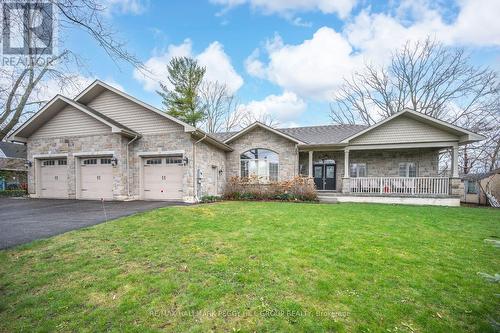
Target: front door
{"x":324,"y":176}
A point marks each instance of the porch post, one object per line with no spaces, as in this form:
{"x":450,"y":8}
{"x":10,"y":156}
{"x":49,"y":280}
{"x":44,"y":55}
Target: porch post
{"x":454,"y":161}
{"x":345,"y":180}
{"x":346,"y":163}
{"x":310,"y":170}
{"x":454,"y":180}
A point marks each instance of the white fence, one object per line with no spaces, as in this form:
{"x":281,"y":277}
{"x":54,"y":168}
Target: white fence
{"x":400,"y":185}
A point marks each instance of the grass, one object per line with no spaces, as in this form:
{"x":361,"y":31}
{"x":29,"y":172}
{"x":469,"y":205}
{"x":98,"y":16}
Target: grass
{"x":260,"y":267}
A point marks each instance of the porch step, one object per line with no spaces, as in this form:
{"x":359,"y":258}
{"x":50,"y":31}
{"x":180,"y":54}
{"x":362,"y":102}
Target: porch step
{"x":325,"y":198}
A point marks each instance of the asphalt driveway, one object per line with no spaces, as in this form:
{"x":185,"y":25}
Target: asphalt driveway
{"x":25,"y":220}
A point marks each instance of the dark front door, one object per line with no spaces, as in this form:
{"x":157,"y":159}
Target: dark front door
{"x":324,"y":176}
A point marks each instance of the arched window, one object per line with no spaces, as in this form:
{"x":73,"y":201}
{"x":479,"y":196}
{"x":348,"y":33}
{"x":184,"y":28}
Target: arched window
{"x":262,"y":163}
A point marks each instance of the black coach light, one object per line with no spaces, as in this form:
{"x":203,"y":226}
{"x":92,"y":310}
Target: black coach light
{"x":28,"y":164}
{"x":185,"y":160}
{"x":114,"y":161}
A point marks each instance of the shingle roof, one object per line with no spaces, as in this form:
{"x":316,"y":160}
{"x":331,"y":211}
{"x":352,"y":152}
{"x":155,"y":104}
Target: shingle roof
{"x":13,"y":150}
{"x":223,"y":136}
{"x":326,"y":134}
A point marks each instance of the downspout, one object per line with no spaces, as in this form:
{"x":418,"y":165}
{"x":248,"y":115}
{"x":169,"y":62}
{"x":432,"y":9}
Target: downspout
{"x":128,"y":162}
{"x":195,"y":180}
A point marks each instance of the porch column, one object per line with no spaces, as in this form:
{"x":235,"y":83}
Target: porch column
{"x":454,"y":158}
{"x":346,"y":185}
{"x":310,"y":169}
{"x":346,"y":163}
{"x":454,"y":180}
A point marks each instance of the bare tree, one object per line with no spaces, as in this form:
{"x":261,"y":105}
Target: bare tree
{"x":23,"y":86}
{"x":250,"y":117}
{"x":222,"y":109}
{"x":436,"y":80}
{"x":214,"y":97}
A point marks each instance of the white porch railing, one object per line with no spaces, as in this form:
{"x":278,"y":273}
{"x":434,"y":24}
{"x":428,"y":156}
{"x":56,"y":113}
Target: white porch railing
{"x":400,"y":185}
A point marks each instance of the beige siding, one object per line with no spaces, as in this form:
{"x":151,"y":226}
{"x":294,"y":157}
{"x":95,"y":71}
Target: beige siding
{"x":403,"y":130}
{"x":71,"y":122}
{"x":132,"y":114}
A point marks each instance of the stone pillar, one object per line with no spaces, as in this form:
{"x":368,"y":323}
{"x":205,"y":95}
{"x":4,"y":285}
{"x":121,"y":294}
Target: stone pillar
{"x":455,"y":188}
{"x":310,"y":169}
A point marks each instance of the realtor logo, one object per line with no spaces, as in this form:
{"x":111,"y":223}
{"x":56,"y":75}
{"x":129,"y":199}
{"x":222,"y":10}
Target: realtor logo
{"x":28,"y":30}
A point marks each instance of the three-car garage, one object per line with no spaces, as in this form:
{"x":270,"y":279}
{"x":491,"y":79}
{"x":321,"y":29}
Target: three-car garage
{"x":160,"y":178}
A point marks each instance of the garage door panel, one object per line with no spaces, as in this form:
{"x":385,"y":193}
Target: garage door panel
{"x":54,"y":178}
{"x":96,"y":178}
{"x":162,"y":180}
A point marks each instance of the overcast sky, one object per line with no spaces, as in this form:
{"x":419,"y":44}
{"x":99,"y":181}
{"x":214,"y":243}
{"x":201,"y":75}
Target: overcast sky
{"x":283,"y":57}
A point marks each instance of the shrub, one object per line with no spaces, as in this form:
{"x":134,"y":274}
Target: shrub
{"x":13,"y":193}
{"x":295,"y":189}
{"x":210,"y":198}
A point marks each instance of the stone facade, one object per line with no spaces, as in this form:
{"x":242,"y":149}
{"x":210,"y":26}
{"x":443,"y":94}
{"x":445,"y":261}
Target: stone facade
{"x":212,"y":162}
{"x":261,"y":138}
{"x":156,"y":143}
{"x":385,"y":163}
{"x":208,"y":158}
{"x":92,"y":144}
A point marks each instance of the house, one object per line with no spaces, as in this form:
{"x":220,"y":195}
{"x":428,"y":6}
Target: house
{"x":12,"y":165}
{"x":476,"y":185}
{"x":106,"y":144}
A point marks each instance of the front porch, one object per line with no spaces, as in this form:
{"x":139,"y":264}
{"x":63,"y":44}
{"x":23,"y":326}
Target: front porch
{"x":405,"y":176}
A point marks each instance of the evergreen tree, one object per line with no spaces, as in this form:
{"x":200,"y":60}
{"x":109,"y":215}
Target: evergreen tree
{"x":182,"y":101}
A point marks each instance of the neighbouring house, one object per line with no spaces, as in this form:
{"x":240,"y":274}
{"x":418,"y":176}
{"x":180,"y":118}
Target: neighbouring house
{"x":106,"y":144}
{"x":475,"y":186}
{"x":13,"y":173}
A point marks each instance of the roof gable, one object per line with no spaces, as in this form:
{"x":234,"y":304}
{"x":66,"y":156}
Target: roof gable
{"x":53,"y":108}
{"x":98,"y":87}
{"x":411,"y":126}
{"x":265,"y":127}
{"x":133,"y":115}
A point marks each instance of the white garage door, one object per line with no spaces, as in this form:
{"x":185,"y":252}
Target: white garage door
{"x":54,"y":178}
{"x":163,"y":178}
{"x":96,"y":180}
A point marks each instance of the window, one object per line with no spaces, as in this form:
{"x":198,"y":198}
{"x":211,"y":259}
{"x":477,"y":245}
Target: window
{"x":261,"y":163}
{"x":471,"y":187}
{"x":358,"y":170}
{"x":105,"y":161}
{"x":49,"y":162}
{"x":407,"y":169}
{"x":153,"y":161}
{"x":62,"y":162}
{"x":90,"y":161}
{"x":174,"y":160}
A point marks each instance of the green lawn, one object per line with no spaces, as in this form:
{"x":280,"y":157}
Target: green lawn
{"x":260,"y":267}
